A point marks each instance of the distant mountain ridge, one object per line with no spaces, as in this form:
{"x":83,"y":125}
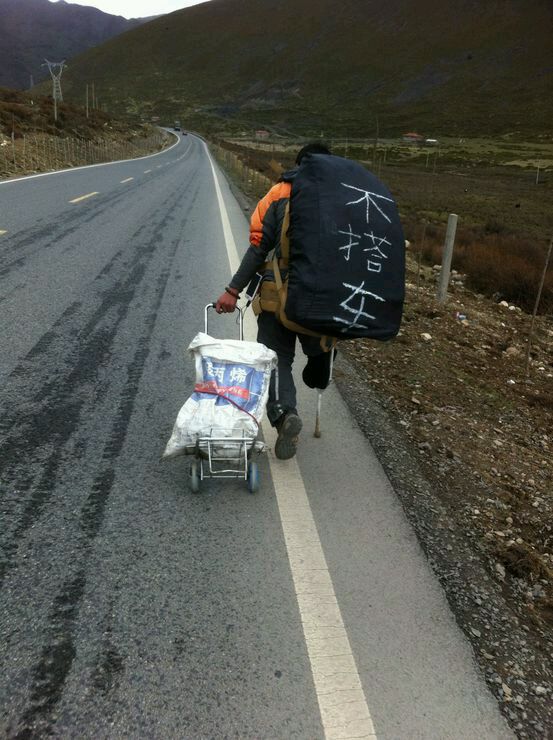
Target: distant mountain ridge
{"x":458,"y":67}
{"x":32,"y":30}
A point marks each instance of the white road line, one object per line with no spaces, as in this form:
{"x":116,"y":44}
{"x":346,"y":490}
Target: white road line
{"x":127,"y":180}
{"x":2,"y":232}
{"x":146,"y":171}
{"x":83,"y":197}
{"x":342,"y":703}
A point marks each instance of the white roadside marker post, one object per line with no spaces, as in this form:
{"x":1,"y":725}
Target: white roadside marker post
{"x":447,"y":257}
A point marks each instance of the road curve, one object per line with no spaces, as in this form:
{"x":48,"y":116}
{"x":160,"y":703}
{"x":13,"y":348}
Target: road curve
{"x":129,"y":606}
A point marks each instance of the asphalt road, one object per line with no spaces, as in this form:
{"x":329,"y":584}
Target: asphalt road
{"x":131,"y":607}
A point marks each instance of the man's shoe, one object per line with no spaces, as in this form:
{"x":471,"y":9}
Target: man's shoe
{"x":287,"y":440}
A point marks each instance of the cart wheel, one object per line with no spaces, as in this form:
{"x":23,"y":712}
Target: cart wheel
{"x":194,"y":477}
{"x":253,"y":477}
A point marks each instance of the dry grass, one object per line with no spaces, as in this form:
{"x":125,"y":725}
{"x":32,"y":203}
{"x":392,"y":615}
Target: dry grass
{"x":503,"y":266}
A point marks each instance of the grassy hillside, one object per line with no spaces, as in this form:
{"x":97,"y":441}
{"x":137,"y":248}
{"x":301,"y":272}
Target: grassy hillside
{"x":459,"y":67}
{"x":26,"y":113}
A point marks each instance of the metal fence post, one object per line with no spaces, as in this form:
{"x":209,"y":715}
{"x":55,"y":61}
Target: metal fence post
{"x":447,"y":257}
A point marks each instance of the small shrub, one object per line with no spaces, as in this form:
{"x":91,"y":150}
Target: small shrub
{"x":494,"y":227}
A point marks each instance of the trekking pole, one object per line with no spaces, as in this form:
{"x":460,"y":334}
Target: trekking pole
{"x":318,"y":417}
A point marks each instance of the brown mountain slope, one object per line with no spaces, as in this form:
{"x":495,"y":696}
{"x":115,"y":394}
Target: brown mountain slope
{"x":460,"y":66}
{"x":33,"y":29}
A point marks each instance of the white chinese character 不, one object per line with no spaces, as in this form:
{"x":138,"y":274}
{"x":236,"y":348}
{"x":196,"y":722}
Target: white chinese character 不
{"x":370,"y":199}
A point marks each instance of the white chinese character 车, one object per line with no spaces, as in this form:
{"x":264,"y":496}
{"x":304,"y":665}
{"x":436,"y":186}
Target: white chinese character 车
{"x":358,"y":291}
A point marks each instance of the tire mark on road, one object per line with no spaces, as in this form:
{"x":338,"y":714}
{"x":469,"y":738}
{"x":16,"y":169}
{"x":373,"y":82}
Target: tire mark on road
{"x":56,"y":658}
{"x":50,"y":233}
{"x":50,"y":673}
{"x":38,"y":429}
{"x":110,"y":663}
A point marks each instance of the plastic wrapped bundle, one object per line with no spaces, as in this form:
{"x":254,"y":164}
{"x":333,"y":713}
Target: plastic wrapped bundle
{"x":229,"y":398}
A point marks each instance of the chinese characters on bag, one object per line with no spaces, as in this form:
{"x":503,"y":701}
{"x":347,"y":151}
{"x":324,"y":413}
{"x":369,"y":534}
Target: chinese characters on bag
{"x":373,"y":248}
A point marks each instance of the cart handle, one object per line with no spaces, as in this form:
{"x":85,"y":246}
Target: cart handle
{"x":240,"y":321}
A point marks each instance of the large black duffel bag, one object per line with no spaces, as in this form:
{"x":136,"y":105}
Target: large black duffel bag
{"x":345,"y":259}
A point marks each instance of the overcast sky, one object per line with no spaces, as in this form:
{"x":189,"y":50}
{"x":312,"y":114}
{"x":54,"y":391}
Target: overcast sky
{"x":137,"y":8}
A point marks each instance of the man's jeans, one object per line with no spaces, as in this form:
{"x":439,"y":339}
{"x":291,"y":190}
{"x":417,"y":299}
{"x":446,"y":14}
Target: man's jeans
{"x":277,"y":337}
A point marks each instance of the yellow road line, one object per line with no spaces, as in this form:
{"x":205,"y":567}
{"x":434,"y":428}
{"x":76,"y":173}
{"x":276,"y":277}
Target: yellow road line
{"x":127,"y":180}
{"x":83,"y":197}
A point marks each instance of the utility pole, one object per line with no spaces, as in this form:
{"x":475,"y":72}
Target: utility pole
{"x":56,"y":70}
{"x":31,"y":82}
{"x":87,"y":100}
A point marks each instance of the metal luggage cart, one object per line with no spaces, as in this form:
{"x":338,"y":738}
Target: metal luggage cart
{"x":219,"y":456}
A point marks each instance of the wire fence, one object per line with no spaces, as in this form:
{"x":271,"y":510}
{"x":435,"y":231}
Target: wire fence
{"x":39,"y":152}
{"x":250,"y":180}
{"x":498,"y":186}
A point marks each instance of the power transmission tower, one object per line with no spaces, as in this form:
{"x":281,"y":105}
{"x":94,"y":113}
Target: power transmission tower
{"x":56,"y":70}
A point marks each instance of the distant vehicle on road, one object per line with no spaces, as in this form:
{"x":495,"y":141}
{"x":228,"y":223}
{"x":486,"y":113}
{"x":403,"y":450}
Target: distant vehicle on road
{"x":176,"y":127}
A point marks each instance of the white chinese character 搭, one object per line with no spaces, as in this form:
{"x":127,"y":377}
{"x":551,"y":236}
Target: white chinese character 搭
{"x":351,"y":242}
{"x":374,"y":266}
{"x":377,"y":254}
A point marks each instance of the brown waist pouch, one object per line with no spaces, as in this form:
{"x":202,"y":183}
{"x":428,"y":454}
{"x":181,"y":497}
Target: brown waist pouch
{"x":268,"y":296}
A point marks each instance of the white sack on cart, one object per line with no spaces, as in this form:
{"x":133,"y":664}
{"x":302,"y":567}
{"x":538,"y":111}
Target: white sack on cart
{"x":239,"y":370}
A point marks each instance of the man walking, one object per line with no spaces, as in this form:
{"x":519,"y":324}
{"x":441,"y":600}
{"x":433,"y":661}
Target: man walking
{"x":265,"y":235}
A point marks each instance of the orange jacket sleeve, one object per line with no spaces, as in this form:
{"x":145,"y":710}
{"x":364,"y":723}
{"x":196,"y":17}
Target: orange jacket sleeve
{"x":278,"y":191}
